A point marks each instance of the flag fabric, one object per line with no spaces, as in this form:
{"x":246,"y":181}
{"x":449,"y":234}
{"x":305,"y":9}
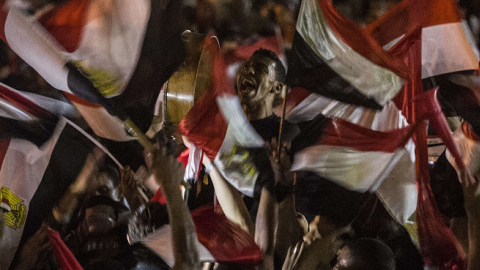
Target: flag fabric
{"x":229,"y":140}
{"x":219,"y":240}
{"x":65,"y":258}
{"x":352,"y":156}
{"x":445,"y":47}
{"x":36,"y":164}
{"x":22,"y":119}
{"x":303,"y":105}
{"x":35,"y":178}
{"x":334,"y":57}
{"x":124,"y":49}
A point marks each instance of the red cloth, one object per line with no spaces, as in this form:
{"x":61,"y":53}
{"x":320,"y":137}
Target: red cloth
{"x":439,"y":246}
{"x":159,"y":197}
{"x":339,"y":132}
{"x":226,"y":241}
{"x":209,"y":137}
{"x":361,"y":41}
{"x":65,"y":23}
{"x":65,"y":258}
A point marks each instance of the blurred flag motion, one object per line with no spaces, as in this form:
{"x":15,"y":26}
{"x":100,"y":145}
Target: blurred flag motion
{"x":36,"y":166}
{"x":334,"y":57}
{"x":115,"y":54}
{"x":228,"y":137}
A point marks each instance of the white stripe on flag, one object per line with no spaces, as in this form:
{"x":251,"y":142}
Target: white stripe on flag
{"x":23,"y":161}
{"x":445,"y":49}
{"x":355,"y":170}
{"x":35,"y":46}
{"x":161,"y":243}
{"x":240,"y":133}
{"x":8,"y":110}
{"x":371,"y":80}
{"x":104,"y":124}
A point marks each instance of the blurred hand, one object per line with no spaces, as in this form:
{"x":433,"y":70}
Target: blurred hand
{"x":32,"y":249}
{"x":471,"y":193}
{"x":166,"y":168}
{"x":85,"y":181}
{"x":280,"y":162}
{"x":128,"y":187}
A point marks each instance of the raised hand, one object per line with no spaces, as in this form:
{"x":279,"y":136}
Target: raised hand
{"x":32,"y":249}
{"x":280,"y":162}
{"x":85,"y":181}
{"x":166,"y":168}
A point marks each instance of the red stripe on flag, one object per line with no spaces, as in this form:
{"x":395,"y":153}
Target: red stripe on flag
{"x":3,"y":150}
{"x":66,"y":23}
{"x":81,"y":101}
{"x":24,"y":103}
{"x":339,"y":132}
{"x":209,"y":137}
{"x":408,"y":14}
{"x":3,"y":19}
{"x":360,"y":41}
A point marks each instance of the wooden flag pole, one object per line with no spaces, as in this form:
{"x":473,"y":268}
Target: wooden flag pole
{"x":145,"y":142}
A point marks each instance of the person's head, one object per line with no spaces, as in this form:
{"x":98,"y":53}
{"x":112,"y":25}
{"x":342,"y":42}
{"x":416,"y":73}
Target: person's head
{"x":261,"y":83}
{"x":364,"y":254}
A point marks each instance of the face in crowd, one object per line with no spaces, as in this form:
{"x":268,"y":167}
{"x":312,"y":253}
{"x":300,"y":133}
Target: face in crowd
{"x":260,"y":81}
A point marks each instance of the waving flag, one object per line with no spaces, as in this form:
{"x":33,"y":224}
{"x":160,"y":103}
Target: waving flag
{"x":122,"y":50}
{"x":335,"y":58}
{"x":304,"y":106}
{"x":229,"y":137}
{"x":36,"y":165}
{"x":445,"y":47}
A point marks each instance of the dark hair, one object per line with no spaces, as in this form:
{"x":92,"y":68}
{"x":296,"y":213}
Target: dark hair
{"x":370,"y":253}
{"x":280,"y":73}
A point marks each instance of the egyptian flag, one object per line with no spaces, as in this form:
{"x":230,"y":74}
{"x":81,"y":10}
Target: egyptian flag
{"x":114,"y":56}
{"x":397,"y":190}
{"x":36,"y":167}
{"x":217,"y":125}
{"x":445,"y":46}
{"x":334,"y":57}
{"x":218,"y":240}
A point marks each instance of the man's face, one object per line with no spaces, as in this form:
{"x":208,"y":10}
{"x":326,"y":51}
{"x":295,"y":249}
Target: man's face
{"x":256,"y":81}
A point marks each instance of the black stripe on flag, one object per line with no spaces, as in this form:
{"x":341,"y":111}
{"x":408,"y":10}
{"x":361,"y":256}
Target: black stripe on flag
{"x":162,"y":52}
{"x":66,"y":161}
{"x":308,"y":71}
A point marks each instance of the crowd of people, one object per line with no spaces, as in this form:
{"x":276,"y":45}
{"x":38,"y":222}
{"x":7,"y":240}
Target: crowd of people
{"x":147,"y":217}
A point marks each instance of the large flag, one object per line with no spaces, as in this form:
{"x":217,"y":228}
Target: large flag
{"x":217,"y":125}
{"x":334,"y":57}
{"x":445,"y":46}
{"x":304,"y":106}
{"x":219,"y":240}
{"x":36,"y":165}
{"x":352,"y":156}
{"x":122,"y":50}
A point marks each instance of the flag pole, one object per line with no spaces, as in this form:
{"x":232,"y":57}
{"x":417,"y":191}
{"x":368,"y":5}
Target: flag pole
{"x":282,"y":119}
{"x":145,"y":142}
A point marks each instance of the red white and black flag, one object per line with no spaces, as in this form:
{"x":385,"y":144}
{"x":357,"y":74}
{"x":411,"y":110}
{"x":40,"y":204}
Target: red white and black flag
{"x":334,"y":57}
{"x":446,"y":47}
{"x":36,"y":164}
{"x":114,"y":53}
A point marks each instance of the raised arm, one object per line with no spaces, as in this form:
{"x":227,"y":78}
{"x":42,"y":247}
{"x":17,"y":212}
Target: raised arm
{"x":169,"y":173}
